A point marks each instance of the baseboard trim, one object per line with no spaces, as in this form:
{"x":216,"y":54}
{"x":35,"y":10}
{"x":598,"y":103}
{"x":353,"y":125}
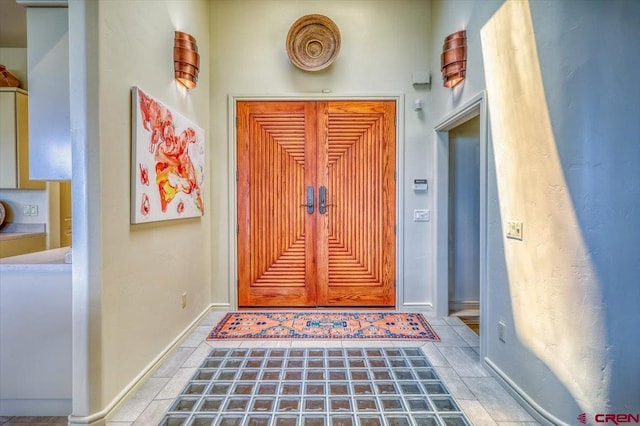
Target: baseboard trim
{"x":417,"y":307}
{"x":220,"y":307}
{"x":461,"y":306}
{"x":540,"y":414}
{"x":100,"y":418}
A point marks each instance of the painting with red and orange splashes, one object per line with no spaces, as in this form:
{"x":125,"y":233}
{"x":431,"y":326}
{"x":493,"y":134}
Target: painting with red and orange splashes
{"x":168,"y":162}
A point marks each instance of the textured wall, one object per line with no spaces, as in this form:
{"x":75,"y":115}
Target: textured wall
{"x":560,"y":160}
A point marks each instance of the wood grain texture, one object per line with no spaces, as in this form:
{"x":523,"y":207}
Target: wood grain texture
{"x":356,"y":162}
{"x":287,"y":257}
{"x":275,"y":239}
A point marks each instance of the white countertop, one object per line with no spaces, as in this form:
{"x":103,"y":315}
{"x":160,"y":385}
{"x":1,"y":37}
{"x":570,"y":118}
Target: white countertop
{"x":15,"y":231}
{"x":43,"y":260}
{"x":19,"y":235}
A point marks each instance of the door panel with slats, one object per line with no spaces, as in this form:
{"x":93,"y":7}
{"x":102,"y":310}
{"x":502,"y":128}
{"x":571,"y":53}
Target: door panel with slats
{"x":342,"y":254}
{"x":356,"y":163}
{"x":275,"y":239}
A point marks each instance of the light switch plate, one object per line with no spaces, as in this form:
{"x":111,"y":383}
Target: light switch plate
{"x":514,"y":229}
{"x":501,"y":327}
{"x":421,"y":215}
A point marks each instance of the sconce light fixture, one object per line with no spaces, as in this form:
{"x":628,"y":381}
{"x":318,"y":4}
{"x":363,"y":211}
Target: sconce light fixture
{"x":186,"y":60}
{"x":454,"y":58}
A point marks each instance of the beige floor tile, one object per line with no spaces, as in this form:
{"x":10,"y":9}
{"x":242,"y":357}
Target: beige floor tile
{"x":498,"y":403}
{"x":448,"y":337}
{"x":138,"y":402}
{"x":176,"y":384}
{"x":476,"y":413}
{"x":464,"y":360}
{"x":467,"y":334}
{"x":454,"y":382}
{"x":154,"y":413}
{"x":434,"y":355}
{"x":197,"y":357}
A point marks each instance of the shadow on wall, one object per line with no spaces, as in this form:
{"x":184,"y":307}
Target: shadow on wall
{"x":554,"y":289}
{"x":512,"y":358}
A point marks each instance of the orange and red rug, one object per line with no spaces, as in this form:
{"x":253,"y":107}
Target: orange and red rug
{"x":323,"y":325}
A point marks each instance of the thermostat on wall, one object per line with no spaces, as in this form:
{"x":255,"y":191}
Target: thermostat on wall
{"x":420,"y":185}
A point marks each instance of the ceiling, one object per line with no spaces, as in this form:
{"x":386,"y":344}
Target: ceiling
{"x":13,"y":24}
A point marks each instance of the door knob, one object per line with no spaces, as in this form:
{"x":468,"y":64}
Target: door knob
{"x":322,"y":209}
{"x":309,"y":204}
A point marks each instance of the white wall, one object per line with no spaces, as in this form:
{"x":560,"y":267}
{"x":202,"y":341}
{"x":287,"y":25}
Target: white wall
{"x":128,"y":280}
{"x":383,"y":42}
{"x":563,"y":158}
{"x":16,"y":199}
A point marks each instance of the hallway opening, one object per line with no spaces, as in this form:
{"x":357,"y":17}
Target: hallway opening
{"x":464,"y":222}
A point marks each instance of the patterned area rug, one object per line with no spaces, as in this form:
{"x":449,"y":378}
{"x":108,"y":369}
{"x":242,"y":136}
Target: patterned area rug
{"x":323,"y":325}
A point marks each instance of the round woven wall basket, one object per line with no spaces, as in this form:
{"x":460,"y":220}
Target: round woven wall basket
{"x":313,"y":42}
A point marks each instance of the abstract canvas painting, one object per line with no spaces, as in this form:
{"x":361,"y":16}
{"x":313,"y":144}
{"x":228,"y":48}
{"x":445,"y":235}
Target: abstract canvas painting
{"x":168,"y":162}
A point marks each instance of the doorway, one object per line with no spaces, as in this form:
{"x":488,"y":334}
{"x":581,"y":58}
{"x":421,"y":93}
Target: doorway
{"x":464,"y":222}
{"x":474,"y":109}
{"x":316,"y":203}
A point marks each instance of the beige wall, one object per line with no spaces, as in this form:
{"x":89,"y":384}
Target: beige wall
{"x":145,"y":268}
{"x":383,"y":42}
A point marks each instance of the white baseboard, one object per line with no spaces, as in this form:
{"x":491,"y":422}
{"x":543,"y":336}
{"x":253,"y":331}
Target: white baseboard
{"x":417,"y":307}
{"x":100,"y":418}
{"x":539,"y":413}
{"x":221,"y":307}
{"x":462,"y":306}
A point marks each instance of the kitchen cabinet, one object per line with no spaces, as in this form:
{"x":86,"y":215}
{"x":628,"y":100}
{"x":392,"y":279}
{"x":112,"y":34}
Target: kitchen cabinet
{"x":14,"y":244}
{"x":14,"y":141}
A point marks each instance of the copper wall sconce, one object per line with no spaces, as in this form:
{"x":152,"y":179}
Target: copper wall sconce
{"x":454,"y":58}
{"x":186,"y":60}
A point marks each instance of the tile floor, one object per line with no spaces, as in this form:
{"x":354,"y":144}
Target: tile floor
{"x":454,"y":360}
{"x":315,"y":387}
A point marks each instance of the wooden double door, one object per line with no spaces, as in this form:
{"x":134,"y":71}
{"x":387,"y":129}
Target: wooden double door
{"x":316,"y":203}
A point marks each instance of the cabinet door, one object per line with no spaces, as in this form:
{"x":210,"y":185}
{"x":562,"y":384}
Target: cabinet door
{"x":8,"y":147}
{"x":14,"y":142}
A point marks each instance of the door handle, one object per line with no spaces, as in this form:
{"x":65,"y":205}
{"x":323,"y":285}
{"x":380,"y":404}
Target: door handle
{"x":322,"y":209}
{"x":309,"y":200}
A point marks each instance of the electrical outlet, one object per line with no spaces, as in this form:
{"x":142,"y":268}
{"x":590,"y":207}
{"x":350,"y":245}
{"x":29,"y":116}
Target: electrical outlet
{"x":184,"y":300}
{"x":30,"y":210}
{"x":514,"y":229}
{"x":501,"y":327}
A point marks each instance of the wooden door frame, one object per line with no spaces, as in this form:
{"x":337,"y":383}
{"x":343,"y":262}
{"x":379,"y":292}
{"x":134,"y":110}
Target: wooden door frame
{"x":233,"y":184}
